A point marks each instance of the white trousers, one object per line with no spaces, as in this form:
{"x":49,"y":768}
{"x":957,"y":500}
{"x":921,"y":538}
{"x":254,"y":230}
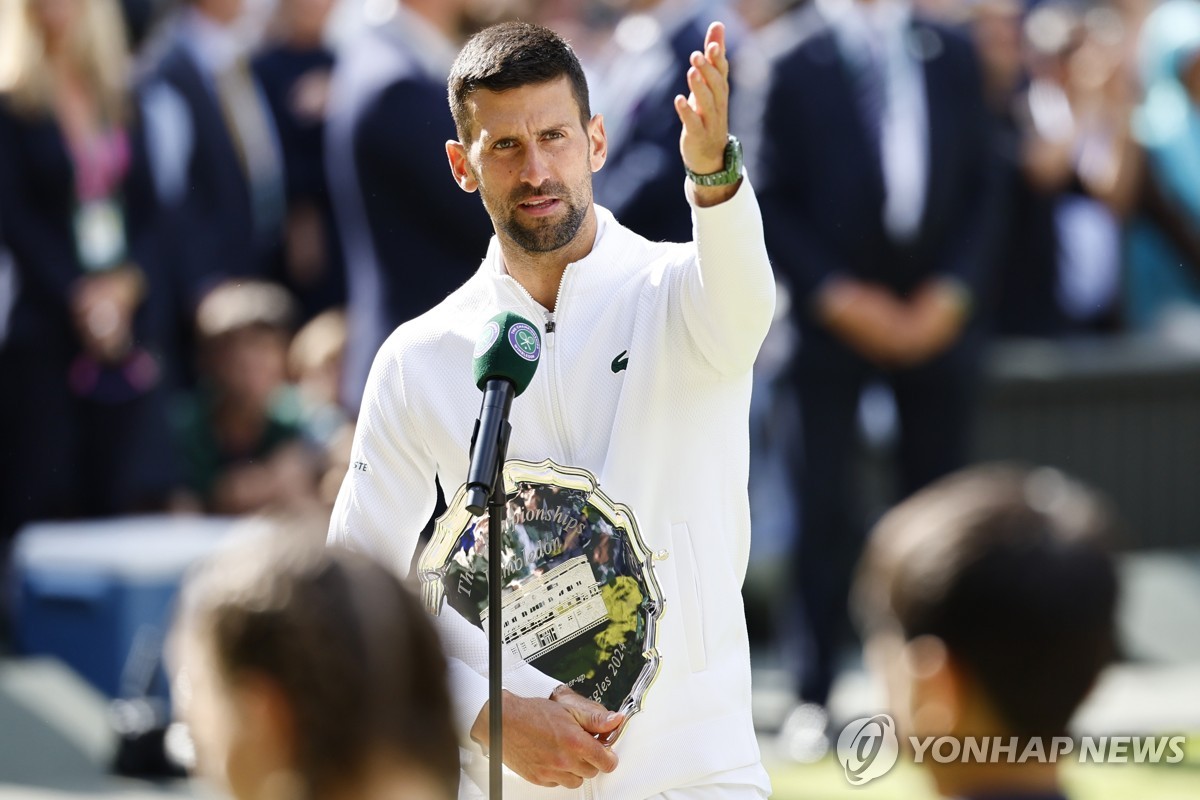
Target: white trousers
{"x":714,"y":791}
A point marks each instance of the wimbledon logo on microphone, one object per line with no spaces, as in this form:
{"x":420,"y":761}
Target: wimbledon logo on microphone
{"x":867,"y":748}
{"x":525,"y":341}
{"x":487,"y":338}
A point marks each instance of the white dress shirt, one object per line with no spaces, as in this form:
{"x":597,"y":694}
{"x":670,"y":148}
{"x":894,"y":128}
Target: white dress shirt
{"x":883,"y":26}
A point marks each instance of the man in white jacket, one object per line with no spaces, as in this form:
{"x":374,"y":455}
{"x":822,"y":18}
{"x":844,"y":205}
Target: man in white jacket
{"x":644,"y":382}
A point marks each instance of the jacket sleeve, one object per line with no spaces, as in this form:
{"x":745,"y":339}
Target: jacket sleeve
{"x":969,"y":249}
{"x":44,"y":252}
{"x":385,"y":500}
{"x":795,"y":251}
{"x":728,"y":299}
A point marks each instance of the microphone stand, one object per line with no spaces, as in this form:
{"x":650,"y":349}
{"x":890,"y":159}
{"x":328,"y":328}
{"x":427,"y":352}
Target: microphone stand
{"x":496,"y":516}
{"x":494,"y":498}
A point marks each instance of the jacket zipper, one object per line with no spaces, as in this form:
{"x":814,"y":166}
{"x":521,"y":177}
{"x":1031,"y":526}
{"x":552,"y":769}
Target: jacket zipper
{"x":550,"y":326}
{"x":589,"y":792}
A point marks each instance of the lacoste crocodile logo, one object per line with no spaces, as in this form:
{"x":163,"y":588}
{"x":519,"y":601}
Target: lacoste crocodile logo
{"x":620,"y":362}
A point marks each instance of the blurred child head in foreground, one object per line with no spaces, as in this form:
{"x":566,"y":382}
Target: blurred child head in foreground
{"x":311,"y":672}
{"x":988,"y":603}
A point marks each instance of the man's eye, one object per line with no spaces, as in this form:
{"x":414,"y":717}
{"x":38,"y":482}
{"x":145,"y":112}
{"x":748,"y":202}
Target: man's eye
{"x":503,"y":144}
{"x":554,"y":135}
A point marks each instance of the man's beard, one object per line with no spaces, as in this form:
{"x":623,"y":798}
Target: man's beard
{"x":545,"y":235}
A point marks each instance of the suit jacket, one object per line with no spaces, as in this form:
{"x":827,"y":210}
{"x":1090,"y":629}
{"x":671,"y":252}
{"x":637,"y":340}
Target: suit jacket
{"x":37,"y":204}
{"x":279,"y":71}
{"x":215,"y":223}
{"x":410,"y":235}
{"x":823,"y":190}
{"x":1023,"y":291}
{"x":643,"y":179}
{"x":429,"y":234}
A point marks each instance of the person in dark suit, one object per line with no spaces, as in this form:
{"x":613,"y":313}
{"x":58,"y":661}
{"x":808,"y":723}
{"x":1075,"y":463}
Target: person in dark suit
{"x":294,"y":72}
{"x":82,"y":415}
{"x":231,"y":201}
{"x":410,"y":236}
{"x":640,"y":182}
{"x":876,"y":191}
{"x":988,"y":604}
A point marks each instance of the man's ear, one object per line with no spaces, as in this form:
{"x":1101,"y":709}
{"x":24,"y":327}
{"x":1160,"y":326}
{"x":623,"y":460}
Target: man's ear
{"x":268,"y":717}
{"x":460,"y":167}
{"x":598,"y":142}
{"x":938,"y":690}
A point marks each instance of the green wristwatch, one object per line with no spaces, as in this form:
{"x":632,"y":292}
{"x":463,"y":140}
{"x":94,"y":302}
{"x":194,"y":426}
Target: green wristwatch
{"x":733,"y":167}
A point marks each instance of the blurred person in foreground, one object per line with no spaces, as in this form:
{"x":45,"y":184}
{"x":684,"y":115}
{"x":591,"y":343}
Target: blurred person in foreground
{"x":645,"y":383}
{"x":310,"y":672}
{"x":877,"y":202}
{"x":241,"y":434}
{"x":1163,"y":246}
{"x":988,"y":605}
{"x":83,"y":425}
{"x":410,"y":237}
{"x":295,"y":69}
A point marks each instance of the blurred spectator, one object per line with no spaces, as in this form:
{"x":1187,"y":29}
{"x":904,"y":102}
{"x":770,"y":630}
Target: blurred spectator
{"x":988,"y":604}
{"x":139,"y":16}
{"x":885,"y":249}
{"x":8,"y":289}
{"x":315,"y":361}
{"x":757,"y":15}
{"x":83,"y":427}
{"x":1072,"y":172}
{"x":641,"y":75}
{"x":1022,"y":298}
{"x":586,"y":24}
{"x":411,"y":236}
{"x":1164,"y":239}
{"x":241,"y":433}
{"x":220,"y":149}
{"x":302,"y":671}
{"x":295,"y":72}
{"x":771,"y":30}
{"x":996,"y":30}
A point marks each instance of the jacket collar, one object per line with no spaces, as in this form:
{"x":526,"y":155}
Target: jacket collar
{"x":598,"y":264}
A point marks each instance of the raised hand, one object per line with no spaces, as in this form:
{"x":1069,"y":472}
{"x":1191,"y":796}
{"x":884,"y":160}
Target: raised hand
{"x":705,"y":112}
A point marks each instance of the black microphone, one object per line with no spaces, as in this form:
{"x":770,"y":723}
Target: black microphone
{"x":506,"y":358}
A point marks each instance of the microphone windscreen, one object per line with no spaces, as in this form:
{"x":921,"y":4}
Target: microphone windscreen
{"x":508,"y":348}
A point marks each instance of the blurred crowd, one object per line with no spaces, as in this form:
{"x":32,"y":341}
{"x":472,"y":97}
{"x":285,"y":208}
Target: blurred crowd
{"x":213,"y":212}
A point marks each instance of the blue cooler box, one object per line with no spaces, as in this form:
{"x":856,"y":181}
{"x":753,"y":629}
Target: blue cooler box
{"x":99,"y":595}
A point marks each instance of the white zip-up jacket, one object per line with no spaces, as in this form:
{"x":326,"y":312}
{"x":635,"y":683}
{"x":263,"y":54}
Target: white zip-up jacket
{"x":667,"y":435}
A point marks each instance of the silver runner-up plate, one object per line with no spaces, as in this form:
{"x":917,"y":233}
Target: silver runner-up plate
{"x":581,"y":603}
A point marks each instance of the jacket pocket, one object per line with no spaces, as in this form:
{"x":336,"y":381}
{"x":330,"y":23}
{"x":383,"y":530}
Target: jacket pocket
{"x":691,"y":606}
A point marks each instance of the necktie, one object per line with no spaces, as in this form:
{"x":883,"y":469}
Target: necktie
{"x":246,"y":119}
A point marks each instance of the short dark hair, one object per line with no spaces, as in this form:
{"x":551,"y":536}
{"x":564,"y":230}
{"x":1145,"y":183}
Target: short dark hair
{"x":350,"y":647}
{"x":508,"y":56}
{"x":1010,"y":568}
